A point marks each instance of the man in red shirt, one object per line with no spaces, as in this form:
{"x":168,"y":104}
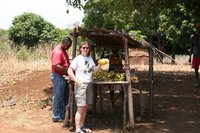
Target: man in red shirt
{"x":59,"y":66}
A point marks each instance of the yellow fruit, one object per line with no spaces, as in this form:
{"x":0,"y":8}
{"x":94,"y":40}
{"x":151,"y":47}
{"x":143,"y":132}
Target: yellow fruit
{"x":106,"y":75}
{"x":103,"y":61}
{"x":134,"y":78}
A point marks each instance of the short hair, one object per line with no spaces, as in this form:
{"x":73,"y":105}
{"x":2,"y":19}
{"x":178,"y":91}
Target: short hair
{"x":67,"y":40}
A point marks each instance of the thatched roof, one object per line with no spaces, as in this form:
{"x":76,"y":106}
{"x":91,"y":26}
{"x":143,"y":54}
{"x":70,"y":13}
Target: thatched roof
{"x":108,"y":38}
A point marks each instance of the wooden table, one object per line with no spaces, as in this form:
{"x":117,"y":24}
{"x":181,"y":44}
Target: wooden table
{"x":124,"y":85}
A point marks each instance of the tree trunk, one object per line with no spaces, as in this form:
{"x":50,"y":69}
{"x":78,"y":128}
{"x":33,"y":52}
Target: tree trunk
{"x":173,"y":53}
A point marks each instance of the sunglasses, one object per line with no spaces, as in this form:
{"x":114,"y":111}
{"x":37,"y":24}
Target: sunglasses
{"x":85,"y":47}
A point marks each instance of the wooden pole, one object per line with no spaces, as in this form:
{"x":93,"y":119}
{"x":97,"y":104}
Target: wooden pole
{"x":75,"y":36}
{"x":69,"y":106}
{"x":127,"y":70}
{"x":150,"y":50}
{"x":124,"y":107}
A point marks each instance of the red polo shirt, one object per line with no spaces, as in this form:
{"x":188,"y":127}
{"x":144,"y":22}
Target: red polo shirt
{"x":59,"y":56}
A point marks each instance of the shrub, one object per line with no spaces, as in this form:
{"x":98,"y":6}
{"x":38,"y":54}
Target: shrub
{"x":23,"y":53}
{"x":31,"y":29}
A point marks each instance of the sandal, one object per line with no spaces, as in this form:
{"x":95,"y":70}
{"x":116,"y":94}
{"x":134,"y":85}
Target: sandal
{"x":86,"y":130}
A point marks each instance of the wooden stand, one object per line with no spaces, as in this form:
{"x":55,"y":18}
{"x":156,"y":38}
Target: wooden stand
{"x":100,"y":85}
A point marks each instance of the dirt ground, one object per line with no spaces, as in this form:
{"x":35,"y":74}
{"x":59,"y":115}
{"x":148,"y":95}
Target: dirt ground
{"x":25,"y":107}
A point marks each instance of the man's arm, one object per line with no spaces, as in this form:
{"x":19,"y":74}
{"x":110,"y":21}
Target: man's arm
{"x":60,"y":68}
{"x":191,"y":48}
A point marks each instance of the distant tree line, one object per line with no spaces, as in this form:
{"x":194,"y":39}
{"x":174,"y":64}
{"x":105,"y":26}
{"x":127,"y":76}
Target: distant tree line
{"x":167,"y":24}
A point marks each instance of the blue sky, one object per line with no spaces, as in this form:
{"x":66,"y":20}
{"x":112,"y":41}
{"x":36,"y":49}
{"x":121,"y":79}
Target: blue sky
{"x":53,"y":11}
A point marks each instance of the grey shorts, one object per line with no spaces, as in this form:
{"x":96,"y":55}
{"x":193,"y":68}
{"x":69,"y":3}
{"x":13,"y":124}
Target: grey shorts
{"x":84,"y":94}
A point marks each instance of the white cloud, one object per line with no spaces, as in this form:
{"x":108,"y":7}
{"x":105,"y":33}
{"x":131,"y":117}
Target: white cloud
{"x":53,"y":11}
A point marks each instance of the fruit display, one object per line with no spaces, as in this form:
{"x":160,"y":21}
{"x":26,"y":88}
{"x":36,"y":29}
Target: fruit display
{"x":106,"y":75}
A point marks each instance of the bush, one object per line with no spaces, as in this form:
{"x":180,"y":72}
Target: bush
{"x":31,"y":29}
{"x":23,"y":53}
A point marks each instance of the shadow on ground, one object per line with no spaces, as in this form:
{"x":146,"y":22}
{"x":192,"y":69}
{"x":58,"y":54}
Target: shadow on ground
{"x":176,"y":107}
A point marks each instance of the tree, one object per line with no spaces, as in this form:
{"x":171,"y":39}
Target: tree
{"x":30,"y":29}
{"x":164,"y":22}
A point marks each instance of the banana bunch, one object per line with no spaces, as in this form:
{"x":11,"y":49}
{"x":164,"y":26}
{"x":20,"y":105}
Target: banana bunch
{"x":103,"y":61}
{"x":134,"y":78}
{"x":106,"y":75}
{"x":120,"y":77}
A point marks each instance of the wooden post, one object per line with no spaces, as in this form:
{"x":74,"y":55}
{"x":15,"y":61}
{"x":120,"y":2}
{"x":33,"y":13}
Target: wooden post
{"x":93,"y":53}
{"x":69,"y":107}
{"x":127,"y":70}
{"x":75,"y":36}
{"x":151,"y":81}
{"x":124,"y":107}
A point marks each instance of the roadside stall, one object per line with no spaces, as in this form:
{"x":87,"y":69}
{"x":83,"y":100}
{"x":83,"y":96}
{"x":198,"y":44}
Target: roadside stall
{"x":103,"y":38}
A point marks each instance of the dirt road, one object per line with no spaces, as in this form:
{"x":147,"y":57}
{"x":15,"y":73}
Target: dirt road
{"x":25,"y":107}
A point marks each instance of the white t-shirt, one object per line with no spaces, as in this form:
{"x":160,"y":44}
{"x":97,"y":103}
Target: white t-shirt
{"x":83,"y":67}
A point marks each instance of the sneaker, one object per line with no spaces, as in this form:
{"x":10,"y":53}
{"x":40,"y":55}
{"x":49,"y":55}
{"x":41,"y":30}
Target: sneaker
{"x":57,"y":120}
{"x":79,"y":131}
{"x":86,"y":130}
